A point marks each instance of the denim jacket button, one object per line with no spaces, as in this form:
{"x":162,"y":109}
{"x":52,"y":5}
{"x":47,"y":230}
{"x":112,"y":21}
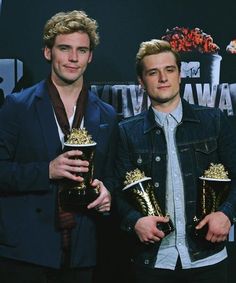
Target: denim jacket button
{"x":139,"y":161}
{"x":158,"y":132}
{"x":156,"y":184}
{"x":157,"y":158}
{"x":146,"y":261}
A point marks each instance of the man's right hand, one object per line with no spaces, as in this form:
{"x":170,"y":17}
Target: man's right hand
{"x":67,"y":164}
{"x":147,"y":231}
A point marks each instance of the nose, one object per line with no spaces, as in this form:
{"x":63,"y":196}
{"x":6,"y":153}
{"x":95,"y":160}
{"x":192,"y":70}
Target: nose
{"x":73,"y":56}
{"x":162,"y":76}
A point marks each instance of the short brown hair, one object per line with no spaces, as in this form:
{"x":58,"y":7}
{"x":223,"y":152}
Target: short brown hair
{"x":154,"y":46}
{"x":69,"y":22}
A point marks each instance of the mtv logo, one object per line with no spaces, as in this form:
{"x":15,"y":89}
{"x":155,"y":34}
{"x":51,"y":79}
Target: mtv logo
{"x":11,"y":71}
{"x":190,"y":69}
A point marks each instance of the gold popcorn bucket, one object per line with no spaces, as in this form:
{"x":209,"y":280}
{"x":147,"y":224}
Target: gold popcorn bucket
{"x":75,"y":196}
{"x":211,"y":194}
{"x":141,"y":195}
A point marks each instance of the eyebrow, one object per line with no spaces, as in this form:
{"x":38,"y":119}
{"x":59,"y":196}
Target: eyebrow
{"x":165,"y":67}
{"x":68,"y":45}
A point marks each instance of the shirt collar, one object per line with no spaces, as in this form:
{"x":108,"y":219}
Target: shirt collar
{"x":177,"y":114}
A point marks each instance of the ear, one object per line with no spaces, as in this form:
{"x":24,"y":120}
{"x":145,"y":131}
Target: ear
{"x":141,"y":82}
{"x":47,"y":53}
{"x":179,"y":78}
{"x":90,"y":56}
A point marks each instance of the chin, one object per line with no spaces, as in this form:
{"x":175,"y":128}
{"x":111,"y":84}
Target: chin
{"x":163,"y":100}
{"x":69,"y":80}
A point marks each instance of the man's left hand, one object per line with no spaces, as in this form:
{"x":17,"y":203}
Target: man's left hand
{"x":218,"y":226}
{"x":103,"y":202}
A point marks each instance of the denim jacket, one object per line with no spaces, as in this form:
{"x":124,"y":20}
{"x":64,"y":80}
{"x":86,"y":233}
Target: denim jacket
{"x":204,"y":136}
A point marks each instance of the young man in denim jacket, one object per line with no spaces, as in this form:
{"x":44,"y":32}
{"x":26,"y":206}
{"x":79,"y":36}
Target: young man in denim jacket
{"x":174,"y":142}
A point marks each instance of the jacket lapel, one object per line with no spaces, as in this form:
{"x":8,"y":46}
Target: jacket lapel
{"x":92,"y":117}
{"x":47,"y":121}
{"x":49,"y":126}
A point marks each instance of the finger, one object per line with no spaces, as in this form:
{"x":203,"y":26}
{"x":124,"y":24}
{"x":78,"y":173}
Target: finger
{"x":96,"y":182}
{"x":210,"y":236}
{"x":102,"y":207}
{"x":96,"y":203}
{"x":152,"y":241}
{"x":70,"y":153}
{"x":201,"y":224}
{"x":77,"y":163}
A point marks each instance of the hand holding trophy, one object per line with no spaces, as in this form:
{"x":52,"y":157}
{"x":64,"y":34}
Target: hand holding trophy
{"x":75,"y":196}
{"x":140,"y":192}
{"x":212,"y":192}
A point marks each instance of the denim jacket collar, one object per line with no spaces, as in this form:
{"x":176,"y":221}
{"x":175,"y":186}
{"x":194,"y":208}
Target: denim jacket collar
{"x":188,"y":115}
{"x":188,"y":112}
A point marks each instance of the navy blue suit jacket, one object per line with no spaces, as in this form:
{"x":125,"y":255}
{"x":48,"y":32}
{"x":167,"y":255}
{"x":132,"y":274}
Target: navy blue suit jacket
{"x":29,"y":140}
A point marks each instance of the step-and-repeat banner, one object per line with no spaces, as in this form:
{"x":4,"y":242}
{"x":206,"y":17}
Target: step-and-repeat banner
{"x":203,"y":32}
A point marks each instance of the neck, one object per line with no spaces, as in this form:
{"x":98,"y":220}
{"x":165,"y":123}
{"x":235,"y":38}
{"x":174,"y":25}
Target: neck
{"x":166,"y":107}
{"x":68,"y":92}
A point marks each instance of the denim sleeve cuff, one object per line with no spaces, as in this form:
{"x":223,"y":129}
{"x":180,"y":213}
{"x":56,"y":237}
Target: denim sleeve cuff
{"x":228,"y":210}
{"x":130,"y":220}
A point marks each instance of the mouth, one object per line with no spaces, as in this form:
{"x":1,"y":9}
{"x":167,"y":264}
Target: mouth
{"x":72,"y":68}
{"x":163,"y":87}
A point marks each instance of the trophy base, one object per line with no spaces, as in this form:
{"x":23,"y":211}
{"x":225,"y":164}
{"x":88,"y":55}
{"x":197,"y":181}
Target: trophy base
{"x":77,"y":199}
{"x":167,"y":228}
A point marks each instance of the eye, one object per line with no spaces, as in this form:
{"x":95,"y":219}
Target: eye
{"x":83,"y":50}
{"x":170,"y":69}
{"x":152,"y":73}
{"x":63,"y":48}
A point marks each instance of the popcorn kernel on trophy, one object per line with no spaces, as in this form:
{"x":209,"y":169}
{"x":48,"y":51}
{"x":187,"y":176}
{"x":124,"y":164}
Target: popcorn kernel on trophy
{"x":75,"y":196}
{"x":140,"y":192}
{"x":212,"y":192}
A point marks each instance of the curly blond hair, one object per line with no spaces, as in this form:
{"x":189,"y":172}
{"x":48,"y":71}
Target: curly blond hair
{"x":69,"y":22}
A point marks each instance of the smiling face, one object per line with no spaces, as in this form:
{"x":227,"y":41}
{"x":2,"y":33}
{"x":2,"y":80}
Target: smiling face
{"x":69,"y":57}
{"x":161,"y":79}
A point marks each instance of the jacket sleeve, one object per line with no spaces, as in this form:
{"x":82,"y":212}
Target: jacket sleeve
{"x":18,"y":171}
{"x":227,"y":153}
{"x":127,"y":213}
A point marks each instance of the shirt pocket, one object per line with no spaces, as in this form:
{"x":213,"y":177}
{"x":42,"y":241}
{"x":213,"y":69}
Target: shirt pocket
{"x":205,"y":153}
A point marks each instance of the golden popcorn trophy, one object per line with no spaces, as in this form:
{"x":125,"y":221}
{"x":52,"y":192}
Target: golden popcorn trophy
{"x":75,"y":196}
{"x":212,"y":192}
{"x":140,"y":192}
